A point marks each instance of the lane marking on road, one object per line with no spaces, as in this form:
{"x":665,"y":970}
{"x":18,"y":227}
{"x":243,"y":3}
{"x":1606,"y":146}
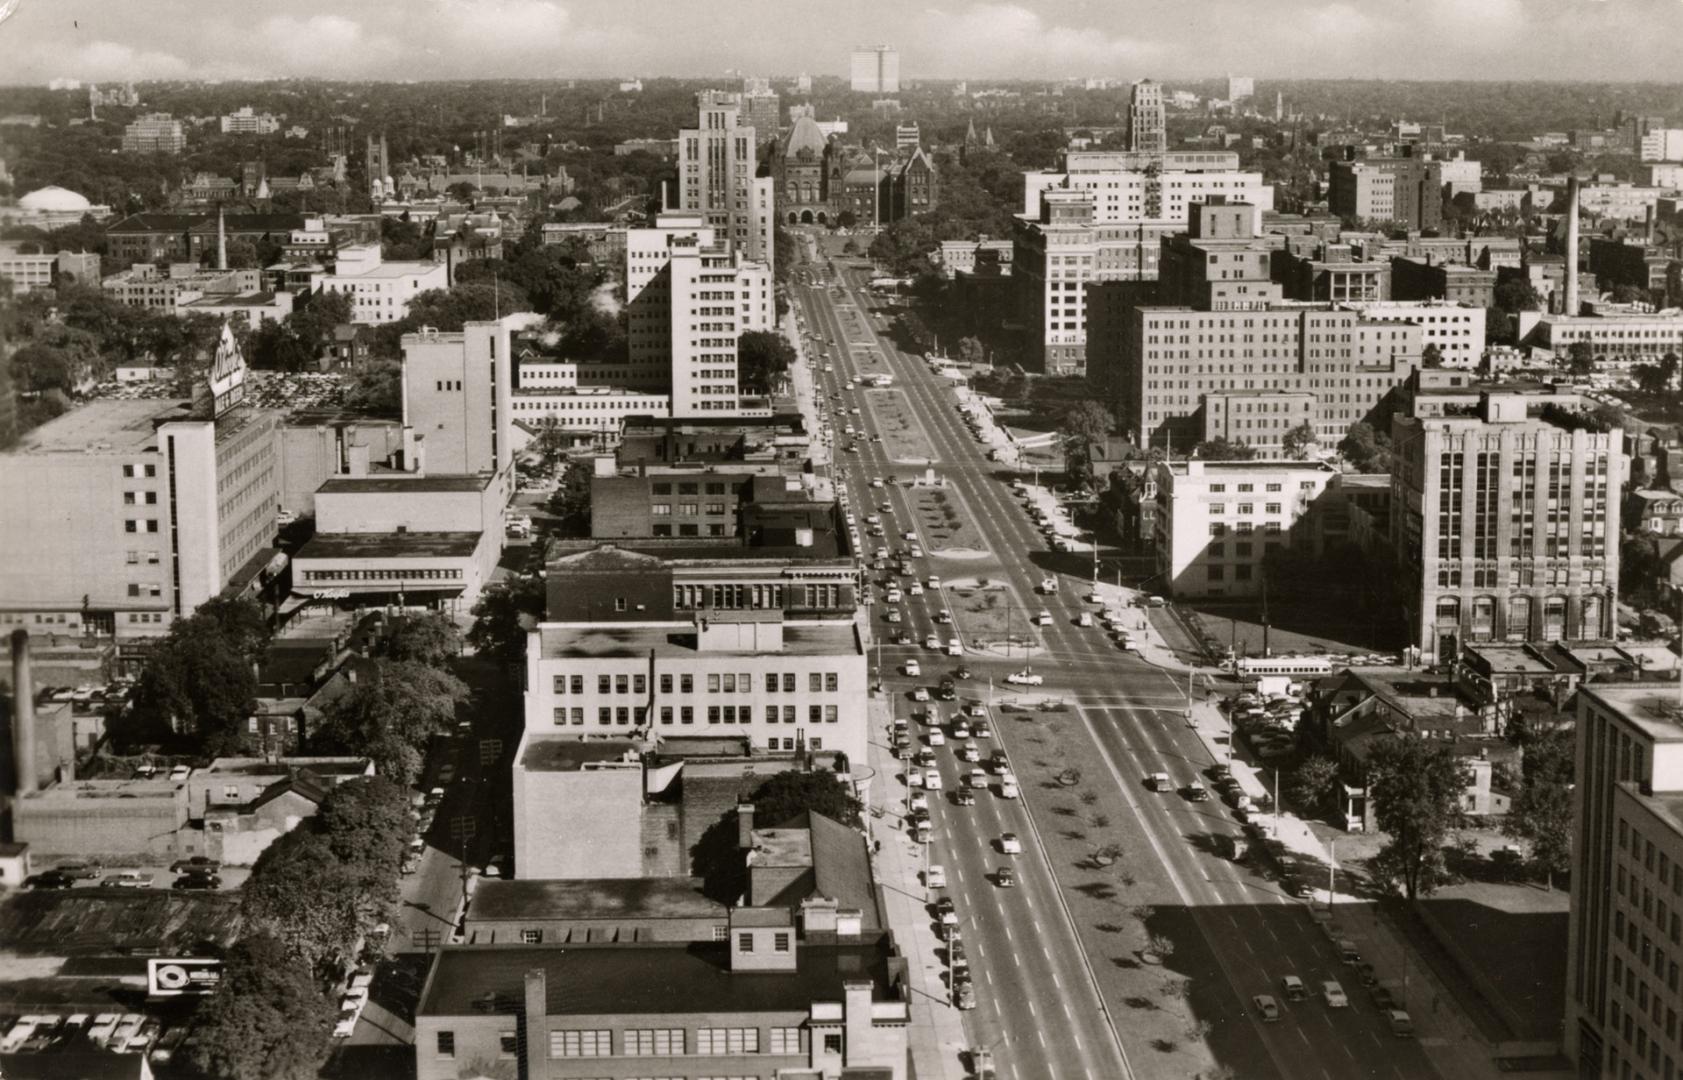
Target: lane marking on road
{"x":1304,"y":1035}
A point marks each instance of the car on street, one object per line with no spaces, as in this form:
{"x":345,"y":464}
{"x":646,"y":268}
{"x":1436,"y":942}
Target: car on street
{"x":1008,"y":789}
{"x":1025,"y":678}
{"x":1084,"y":619}
{"x":50,"y":879}
{"x":1009,"y":844}
{"x":977,"y":779}
{"x":965,"y":798}
{"x":1347,"y":952}
{"x":913,"y":668}
{"x":205,"y":882}
{"x":1334,"y":995}
{"x":197,"y":862}
{"x":970,"y":752}
{"x":1043,"y":618}
{"x":920,"y":801}
{"x":946,"y":911}
{"x":1401,"y":1026}
{"x":1384,"y":997}
{"x":1267,"y":1007}
{"x":965,"y":997}
{"x":961,"y":672}
{"x":914,"y":589}
{"x":932,"y":642}
{"x":955,"y":647}
{"x":921,"y":694}
{"x":1197,"y":792}
{"x":893,"y":616}
{"x":932,"y":779}
{"x":961,"y":728}
{"x":128,"y":879}
{"x":935,"y":877}
{"x":81,"y":871}
{"x":936,"y":737}
{"x":1158,"y":781}
{"x":981,"y":730}
{"x":1005,"y":877}
{"x":345,"y":1025}
{"x":1293,"y":989}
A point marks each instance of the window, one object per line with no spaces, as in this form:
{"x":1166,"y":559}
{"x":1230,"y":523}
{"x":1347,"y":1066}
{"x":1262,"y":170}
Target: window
{"x":713,"y":684}
{"x":590,"y":1042}
{"x":780,"y":942}
{"x":830,"y":681}
{"x":686,"y":684}
{"x":1271,"y":508}
{"x":720,"y":1041}
{"x":788,"y":682}
{"x":686,"y":715}
{"x":745,"y":943}
{"x":639,"y":684}
{"x":602,"y":683}
{"x":814,"y":682}
{"x":654,"y":1042}
{"x":833,"y":1043}
{"x":622,"y":684}
{"x":508,"y":1043}
{"x":604,"y":715}
{"x":531,"y":937}
{"x":446,"y":1044}
{"x":666,"y":684}
{"x":666,"y":714}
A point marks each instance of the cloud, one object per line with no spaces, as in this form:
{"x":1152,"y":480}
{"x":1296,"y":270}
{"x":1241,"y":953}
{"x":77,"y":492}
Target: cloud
{"x":521,"y":25}
{"x":329,"y":45}
{"x":111,"y":60}
{"x":1004,"y":40}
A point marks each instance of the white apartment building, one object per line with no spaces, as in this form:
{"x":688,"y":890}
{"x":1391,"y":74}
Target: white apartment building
{"x":380,"y":291}
{"x":1460,"y":174}
{"x":1665,"y":144}
{"x":243,"y":121}
{"x":457,"y":396}
{"x":1623,"y":938}
{"x":1618,"y":335}
{"x":1624,"y":202}
{"x":1217,"y":520}
{"x":689,"y":298}
{"x":1666,"y":175}
{"x":1125,"y":191}
{"x":1457,"y":329}
{"x":717,"y":161}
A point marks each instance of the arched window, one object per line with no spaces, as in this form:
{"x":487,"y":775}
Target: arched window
{"x":1554,"y":618}
{"x":1519,"y":618}
{"x":1484,"y":618}
{"x":1590,"y":622}
{"x":1448,"y":610}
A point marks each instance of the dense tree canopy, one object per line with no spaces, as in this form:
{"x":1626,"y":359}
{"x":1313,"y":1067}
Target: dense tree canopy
{"x":498,"y":629}
{"x":1416,"y":785}
{"x":763,"y":360}
{"x":200,"y":680}
{"x":390,"y":712}
{"x":267,"y":1020}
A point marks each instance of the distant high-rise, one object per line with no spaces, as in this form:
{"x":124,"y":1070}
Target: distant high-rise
{"x":1145,"y":119}
{"x":1240,"y":87}
{"x":154,"y":133}
{"x":717,"y":161}
{"x":876,"y":69}
{"x":379,"y":163}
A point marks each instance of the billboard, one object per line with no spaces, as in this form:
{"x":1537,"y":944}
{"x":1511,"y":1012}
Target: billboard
{"x":173,"y":978}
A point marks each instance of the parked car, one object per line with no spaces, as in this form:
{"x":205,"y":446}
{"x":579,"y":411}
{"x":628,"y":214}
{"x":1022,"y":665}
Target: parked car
{"x":50,"y":879}
{"x":197,"y":862}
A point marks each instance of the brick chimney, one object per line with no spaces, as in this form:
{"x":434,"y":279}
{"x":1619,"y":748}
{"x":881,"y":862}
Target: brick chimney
{"x":744,"y":823}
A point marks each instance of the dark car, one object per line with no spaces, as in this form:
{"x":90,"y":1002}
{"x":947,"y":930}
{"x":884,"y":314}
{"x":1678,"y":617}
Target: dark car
{"x":196,"y":864}
{"x":962,"y":673}
{"x":81,"y":871}
{"x":204,"y":882}
{"x":51,"y":879}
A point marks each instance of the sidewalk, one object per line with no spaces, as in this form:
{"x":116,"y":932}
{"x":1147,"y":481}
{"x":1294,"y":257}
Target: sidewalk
{"x":806,"y":392}
{"x":937,"y":1032}
{"x":1452,"y":1042}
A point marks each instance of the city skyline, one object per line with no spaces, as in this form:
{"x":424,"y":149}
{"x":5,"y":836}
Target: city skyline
{"x":1621,"y":40}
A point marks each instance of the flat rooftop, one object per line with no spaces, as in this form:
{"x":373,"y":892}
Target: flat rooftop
{"x":127,"y":788}
{"x":409,"y":545}
{"x":390,"y":270}
{"x":599,"y":640}
{"x":104,"y":427}
{"x":647,"y":979}
{"x":594,"y":898}
{"x":357,"y":485}
{"x":1654,"y":709}
{"x":572,"y":755}
{"x":782,"y":848}
{"x":1512,"y":659}
{"x":253,"y":299}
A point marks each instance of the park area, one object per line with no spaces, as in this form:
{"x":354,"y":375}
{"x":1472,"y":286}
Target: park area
{"x":944,"y":527}
{"x":902,"y":436}
{"x":983,"y":611}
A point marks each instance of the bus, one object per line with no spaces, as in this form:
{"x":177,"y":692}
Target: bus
{"x":1255,"y":666}
{"x":878,"y":380}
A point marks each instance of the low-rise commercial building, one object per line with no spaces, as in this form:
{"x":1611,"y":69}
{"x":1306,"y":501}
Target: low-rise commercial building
{"x":28,"y":272}
{"x":1456,"y":328}
{"x":380,"y":291}
{"x":1421,"y":279}
{"x":1612,"y":334}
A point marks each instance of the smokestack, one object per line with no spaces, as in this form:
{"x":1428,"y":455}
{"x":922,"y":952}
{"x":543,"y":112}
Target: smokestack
{"x":1648,"y":224}
{"x":221,"y":238}
{"x":1571,"y":307}
{"x":23,"y":713}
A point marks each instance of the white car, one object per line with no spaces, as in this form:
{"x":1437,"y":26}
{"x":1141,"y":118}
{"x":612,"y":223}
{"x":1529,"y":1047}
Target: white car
{"x":920,"y":801}
{"x":1084,"y":619}
{"x":877,"y":482}
{"x":345,"y":1025}
{"x":932,"y":642}
{"x":915,"y":589}
{"x":970,"y":752}
{"x":936,"y":738}
{"x":932,"y":780}
{"x":1044,"y":618}
{"x":945,"y":618}
{"x":1010,"y":844}
{"x":933,"y":582}
{"x":978,"y":779}
{"x":1025,"y":678}
{"x":913,"y":668}
{"x":921,"y":694}
{"x":955,"y":647}
{"x":1334,"y":995}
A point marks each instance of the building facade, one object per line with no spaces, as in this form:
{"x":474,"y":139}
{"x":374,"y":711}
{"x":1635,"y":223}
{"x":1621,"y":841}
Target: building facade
{"x":1506,"y":523}
{"x":1147,"y":130}
{"x":717,"y":166}
{"x":1216,"y":521}
{"x":1622,"y":944}
{"x":243,"y":121}
{"x":1407,"y":190}
{"x":457,"y":396}
{"x":154,"y":133}
{"x":380,"y":291}
{"x":875,"y":69}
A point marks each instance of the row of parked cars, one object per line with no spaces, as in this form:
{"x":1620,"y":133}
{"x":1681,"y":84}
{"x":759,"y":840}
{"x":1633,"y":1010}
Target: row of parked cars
{"x":196,"y":873}
{"x":1386,"y":996}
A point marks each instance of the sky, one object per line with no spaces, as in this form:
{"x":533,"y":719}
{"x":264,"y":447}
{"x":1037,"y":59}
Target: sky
{"x":105,"y":40}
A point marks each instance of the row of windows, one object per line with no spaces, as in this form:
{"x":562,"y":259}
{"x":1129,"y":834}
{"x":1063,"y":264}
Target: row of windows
{"x":410,"y":574}
{"x":727,"y":682}
{"x":625,"y":715}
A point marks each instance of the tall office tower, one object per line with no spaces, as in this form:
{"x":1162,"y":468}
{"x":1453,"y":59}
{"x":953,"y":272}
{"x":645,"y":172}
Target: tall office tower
{"x":717,"y":162}
{"x":762,"y":111}
{"x":876,"y":69}
{"x":690,"y":296}
{"x":154,"y":133}
{"x":1240,"y":87}
{"x":1505,"y":513}
{"x":378,"y":163}
{"x":1622,"y":1000}
{"x":1146,"y":133}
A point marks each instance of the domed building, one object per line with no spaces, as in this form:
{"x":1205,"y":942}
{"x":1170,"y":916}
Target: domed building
{"x":51,"y":207}
{"x":802,"y":165}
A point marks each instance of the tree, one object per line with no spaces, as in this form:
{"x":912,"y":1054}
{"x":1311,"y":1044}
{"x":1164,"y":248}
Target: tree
{"x":390,"y":712}
{"x":37,"y":368}
{"x":201,"y":679}
{"x":431,"y":638}
{"x":305,"y":896}
{"x":1416,"y":786}
{"x":1540,"y":813}
{"x":461,"y":191}
{"x":1580,"y":359}
{"x":1431,"y":356}
{"x":1650,"y":378}
{"x":267,"y":1020}
{"x":1516,"y":294}
{"x":1312,"y":781}
{"x":503,"y":614}
{"x":1223,"y":449}
{"x":1669,"y":365}
{"x":1082,"y":425}
{"x":847,"y":219}
{"x":970,"y":351}
{"x":763,"y":360}
{"x":571,"y":500}
{"x":1625,"y":293}
{"x":1366,"y":449}
{"x":401,"y":240}
{"x":365,"y":823}
{"x":792,"y":792}
{"x":377,"y":387}
{"x":1299,"y":441}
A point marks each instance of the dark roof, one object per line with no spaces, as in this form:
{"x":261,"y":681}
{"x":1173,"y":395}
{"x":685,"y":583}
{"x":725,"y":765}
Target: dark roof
{"x":841,"y":868}
{"x":420,"y":545}
{"x":148,"y":223}
{"x":300,"y":782}
{"x":346,"y":485}
{"x":569,"y":755}
{"x":665,"y":978}
{"x":74,"y":1059}
{"x":594,"y":898}
{"x":252,"y":223}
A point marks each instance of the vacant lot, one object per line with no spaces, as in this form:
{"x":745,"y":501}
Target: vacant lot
{"x":943,"y":523}
{"x":902,"y":436}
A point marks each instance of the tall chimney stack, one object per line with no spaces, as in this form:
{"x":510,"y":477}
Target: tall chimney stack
{"x":23,"y":714}
{"x":1571,"y":306}
{"x":221,"y":238}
